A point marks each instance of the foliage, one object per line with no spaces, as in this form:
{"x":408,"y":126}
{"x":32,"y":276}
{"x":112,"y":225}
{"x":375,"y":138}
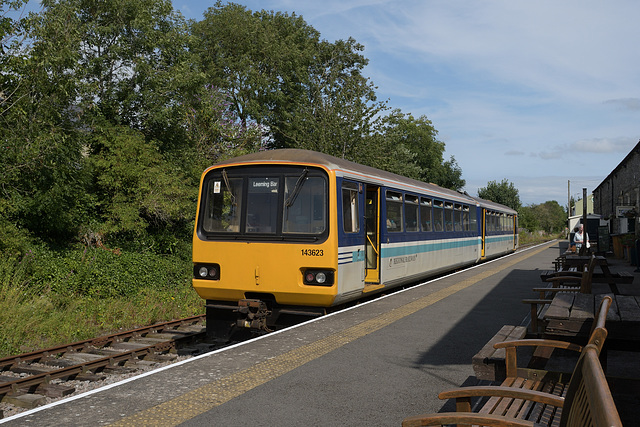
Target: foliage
{"x":414,"y":151}
{"x":528,"y":238}
{"x":49,"y":298}
{"x":504,"y":193}
{"x":309,"y":93}
{"x":548,"y":216}
{"x":216,"y":132}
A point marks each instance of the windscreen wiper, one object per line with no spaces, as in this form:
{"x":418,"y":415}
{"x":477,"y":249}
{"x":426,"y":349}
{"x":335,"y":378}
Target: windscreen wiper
{"x":226,"y":183}
{"x":296,"y":189}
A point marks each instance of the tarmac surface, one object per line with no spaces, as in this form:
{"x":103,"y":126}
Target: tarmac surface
{"x":373,"y":364}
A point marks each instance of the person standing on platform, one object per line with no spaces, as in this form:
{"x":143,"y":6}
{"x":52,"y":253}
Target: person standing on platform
{"x":579,"y":237}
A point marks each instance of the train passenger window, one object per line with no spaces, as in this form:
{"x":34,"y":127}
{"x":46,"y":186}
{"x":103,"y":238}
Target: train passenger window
{"x":223,"y":200}
{"x":438,"y":218}
{"x":425,"y":214}
{"x":448,"y":216}
{"x":350,"y":215}
{"x":473,"y":218}
{"x":465,"y":218}
{"x":457,"y":217}
{"x":304,"y":204}
{"x":411,"y":212}
{"x":394,"y":211}
{"x":262,"y":205}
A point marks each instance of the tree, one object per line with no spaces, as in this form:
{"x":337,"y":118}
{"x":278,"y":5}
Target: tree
{"x":307,"y":93}
{"x":409,"y":147}
{"x":216,"y":131}
{"x":82,"y":71}
{"x":504,"y":193}
{"x":548,"y":216}
{"x":42,"y":175}
{"x":419,"y":137}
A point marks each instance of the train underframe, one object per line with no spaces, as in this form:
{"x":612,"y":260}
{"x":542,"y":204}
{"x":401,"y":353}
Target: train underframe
{"x":226,"y":319}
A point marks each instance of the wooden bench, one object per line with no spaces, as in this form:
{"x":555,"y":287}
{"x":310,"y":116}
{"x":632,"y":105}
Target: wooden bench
{"x":531,"y":378}
{"x":586,"y":401}
{"x":497,"y":360}
{"x":489,"y":363}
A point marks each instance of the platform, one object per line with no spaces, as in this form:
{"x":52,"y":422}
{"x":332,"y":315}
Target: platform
{"x":374,"y":364}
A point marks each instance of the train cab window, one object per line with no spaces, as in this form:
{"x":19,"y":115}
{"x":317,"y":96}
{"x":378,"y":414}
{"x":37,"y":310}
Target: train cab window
{"x":262,"y":205}
{"x":394,"y":211}
{"x":411,"y":208}
{"x":223,"y":205}
{"x":425,"y":214}
{"x":304,"y":204}
{"x":448,"y":216}
{"x":350,"y":215}
{"x":457,"y":217}
{"x":438,"y":218}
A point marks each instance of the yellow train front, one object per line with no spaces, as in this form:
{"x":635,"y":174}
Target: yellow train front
{"x":265,"y":244}
{"x":288,"y":233}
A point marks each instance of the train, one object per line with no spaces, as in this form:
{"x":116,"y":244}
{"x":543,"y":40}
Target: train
{"x":289,"y":234}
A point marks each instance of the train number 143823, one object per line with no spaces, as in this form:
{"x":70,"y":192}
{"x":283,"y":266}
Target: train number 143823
{"x":312,"y":252}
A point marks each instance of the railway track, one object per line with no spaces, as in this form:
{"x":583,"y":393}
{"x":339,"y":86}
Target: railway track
{"x":32,"y":379}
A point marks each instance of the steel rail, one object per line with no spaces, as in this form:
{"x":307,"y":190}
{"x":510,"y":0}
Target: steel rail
{"x":102,"y":341}
{"x":27,"y":383}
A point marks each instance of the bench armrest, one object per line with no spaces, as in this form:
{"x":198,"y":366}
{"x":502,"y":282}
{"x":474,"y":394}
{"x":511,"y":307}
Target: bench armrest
{"x":511,"y":355}
{"x":534,"y":342}
{"x":501,"y":391}
{"x":463,"y":418}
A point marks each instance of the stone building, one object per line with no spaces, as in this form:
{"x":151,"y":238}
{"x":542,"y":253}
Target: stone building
{"x":618,"y":197}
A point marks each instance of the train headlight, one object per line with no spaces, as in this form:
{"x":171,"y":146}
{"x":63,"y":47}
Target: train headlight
{"x":319,"y":277}
{"x":206,"y":271}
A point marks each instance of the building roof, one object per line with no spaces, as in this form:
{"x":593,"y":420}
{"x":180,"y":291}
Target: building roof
{"x":634,"y":150}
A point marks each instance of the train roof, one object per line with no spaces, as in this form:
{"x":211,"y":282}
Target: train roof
{"x":488,"y":204}
{"x":349,"y":168}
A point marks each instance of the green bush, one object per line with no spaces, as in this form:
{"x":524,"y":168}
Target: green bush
{"x":51,"y":297}
{"x":101,"y":272}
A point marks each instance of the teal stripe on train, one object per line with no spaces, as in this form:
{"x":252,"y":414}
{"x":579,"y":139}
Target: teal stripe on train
{"x":388,"y":252}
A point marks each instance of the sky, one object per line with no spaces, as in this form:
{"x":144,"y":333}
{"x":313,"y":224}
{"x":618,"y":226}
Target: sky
{"x":545,"y":94}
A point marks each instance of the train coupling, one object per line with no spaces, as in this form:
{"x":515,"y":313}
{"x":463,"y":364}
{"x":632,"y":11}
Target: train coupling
{"x":253,"y":314}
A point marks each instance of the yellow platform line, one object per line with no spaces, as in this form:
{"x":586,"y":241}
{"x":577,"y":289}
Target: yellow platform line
{"x":207,"y":397}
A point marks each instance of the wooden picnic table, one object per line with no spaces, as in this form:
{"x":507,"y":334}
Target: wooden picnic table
{"x":571,"y":315}
{"x":577,"y":263}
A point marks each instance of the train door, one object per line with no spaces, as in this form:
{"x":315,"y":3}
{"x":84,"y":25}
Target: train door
{"x":483,"y":220}
{"x":372,"y":225}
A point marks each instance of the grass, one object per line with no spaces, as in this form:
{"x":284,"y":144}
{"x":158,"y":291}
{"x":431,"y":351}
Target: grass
{"x":42,"y":307}
{"x":528,"y":238}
